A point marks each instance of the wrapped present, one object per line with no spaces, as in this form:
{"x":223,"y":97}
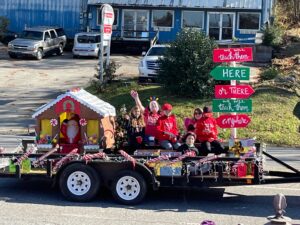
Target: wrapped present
{"x":166,"y":168}
{"x":148,"y":152}
{"x":242,"y":170}
{"x":170,"y":153}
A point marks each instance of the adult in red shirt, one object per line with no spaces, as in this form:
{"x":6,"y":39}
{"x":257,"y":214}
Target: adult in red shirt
{"x":207,"y":133}
{"x":151,"y":115}
{"x":167,"y":128}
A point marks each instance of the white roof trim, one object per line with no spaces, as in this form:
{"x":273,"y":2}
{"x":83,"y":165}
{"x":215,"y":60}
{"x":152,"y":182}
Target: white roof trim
{"x":85,"y":98}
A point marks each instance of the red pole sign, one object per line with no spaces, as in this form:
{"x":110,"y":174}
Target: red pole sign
{"x":233,"y":121}
{"x":230,"y":91}
{"x":232,"y":54}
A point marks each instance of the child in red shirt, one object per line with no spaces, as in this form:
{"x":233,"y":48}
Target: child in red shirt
{"x":167,"y":129}
{"x":207,"y":133}
{"x":151,"y":115}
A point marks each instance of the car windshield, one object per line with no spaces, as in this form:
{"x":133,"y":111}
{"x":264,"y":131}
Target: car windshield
{"x":157,"y":51}
{"x":35,"y":35}
{"x":88,"y":39}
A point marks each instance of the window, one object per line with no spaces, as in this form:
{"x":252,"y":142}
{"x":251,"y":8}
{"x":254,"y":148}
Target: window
{"x":116,"y":14}
{"x":47,"y":35}
{"x":162,"y":18}
{"x":192,"y":19}
{"x":249,"y":21}
{"x":52,"y":33}
{"x":85,"y":39}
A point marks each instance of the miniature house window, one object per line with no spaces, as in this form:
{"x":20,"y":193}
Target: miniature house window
{"x":99,"y":19}
{"x":192,"y":19}
{"x":93,"y":128}
{"x":163,"y":18}
{"x":46,"y":128}
{"x":249,"y":21}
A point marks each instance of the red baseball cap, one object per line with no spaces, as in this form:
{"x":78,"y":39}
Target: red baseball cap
{"x":167,"y":106}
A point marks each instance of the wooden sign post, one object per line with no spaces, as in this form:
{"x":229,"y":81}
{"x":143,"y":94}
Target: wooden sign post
{"x":232,"y":98}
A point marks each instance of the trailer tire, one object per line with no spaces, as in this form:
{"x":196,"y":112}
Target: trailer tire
{"x":129,"y":187}
{"x":79,"y":182}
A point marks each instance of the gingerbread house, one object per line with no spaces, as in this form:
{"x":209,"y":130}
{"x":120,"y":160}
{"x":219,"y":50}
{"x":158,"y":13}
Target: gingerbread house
{"x":76,"y":119}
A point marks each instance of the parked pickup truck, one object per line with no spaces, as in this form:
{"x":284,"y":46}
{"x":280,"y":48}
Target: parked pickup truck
{"x":37,"y":42}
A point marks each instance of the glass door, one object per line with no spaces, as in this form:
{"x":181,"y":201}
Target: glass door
{"x":220,"y":25}
{"x":135,"y":23}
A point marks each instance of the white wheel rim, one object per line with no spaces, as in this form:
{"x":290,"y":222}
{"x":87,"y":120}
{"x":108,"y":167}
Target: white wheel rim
{"x":79,"y":183}
{"x":39,"y":56}
{"x":128,"y":188}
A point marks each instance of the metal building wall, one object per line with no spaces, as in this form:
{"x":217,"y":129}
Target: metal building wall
{"x":64,"y":13}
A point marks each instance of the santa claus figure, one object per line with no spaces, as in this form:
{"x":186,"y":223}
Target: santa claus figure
{"x":71,"y":131}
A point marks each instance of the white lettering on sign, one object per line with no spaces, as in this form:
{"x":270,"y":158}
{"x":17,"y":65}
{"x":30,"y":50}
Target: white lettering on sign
{"x":230,"y":73}
{"x":234,"y":121}
{"x":236,"y":56}
{"x":239,"y":91}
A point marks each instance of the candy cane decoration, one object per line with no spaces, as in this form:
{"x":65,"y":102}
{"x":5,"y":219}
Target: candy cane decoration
{"x":65,"y":159}
{"x":159,"y":158}
{"x":128,"y":157}
{"x":187,"y":154}
{"x":89,"y":157}
{"x":208,"y":159}
{"x":39,"y":161}
{"x":23,"y":157}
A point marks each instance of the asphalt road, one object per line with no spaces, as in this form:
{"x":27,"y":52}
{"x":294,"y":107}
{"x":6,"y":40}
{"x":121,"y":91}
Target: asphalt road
{"x":28,"y":202}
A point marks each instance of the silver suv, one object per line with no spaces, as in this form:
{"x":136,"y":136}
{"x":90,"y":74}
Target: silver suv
{"x":37,"y":42}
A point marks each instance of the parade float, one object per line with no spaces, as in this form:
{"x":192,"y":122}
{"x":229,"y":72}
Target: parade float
{"x":75,"y":140}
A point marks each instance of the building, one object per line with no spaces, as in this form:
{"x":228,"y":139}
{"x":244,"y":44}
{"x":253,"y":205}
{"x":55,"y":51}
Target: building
{"x":145,"y":20}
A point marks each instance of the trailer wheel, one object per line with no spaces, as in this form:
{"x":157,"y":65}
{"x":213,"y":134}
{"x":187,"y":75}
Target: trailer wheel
{"x":79,"y":182}
{"x":129,"y":187}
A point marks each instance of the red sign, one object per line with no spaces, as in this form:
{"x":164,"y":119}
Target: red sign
{"x":237,"y":91}
{"x":233,"y":121}
{"x":107,"y":29}
{"x":232,"y":54}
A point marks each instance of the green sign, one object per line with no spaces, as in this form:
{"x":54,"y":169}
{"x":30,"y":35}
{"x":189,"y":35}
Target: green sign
{"x":231,"y":106}
{"x":230,"y":73}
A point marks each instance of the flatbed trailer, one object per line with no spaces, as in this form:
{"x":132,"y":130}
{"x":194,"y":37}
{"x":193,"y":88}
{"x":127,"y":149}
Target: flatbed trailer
{"x":80,"y":176}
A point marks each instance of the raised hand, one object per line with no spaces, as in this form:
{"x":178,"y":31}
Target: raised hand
{"x":134,"y":94}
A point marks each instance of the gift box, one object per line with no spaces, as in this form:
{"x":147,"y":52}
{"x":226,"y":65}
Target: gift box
{"x":242,"y":170}
{"x":166,"y":168}
{"x":170,"y":153}
{"x":148,"y":152}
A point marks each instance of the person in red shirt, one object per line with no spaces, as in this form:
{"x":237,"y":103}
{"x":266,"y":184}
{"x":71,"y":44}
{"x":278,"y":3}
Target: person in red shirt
{"x":167,"y":129}
{"x":207,"y":133}
{"x":151,"y":115}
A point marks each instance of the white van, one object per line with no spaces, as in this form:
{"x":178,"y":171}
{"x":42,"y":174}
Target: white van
{"x":86,"y":44}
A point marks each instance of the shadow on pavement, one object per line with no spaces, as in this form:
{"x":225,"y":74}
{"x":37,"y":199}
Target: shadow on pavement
{"x":211,"y":200}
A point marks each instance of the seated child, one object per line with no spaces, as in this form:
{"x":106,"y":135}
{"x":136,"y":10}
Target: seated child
{"x":135,"y":126}
{"x":189,"y":140}
{"x":167,"y":128}
{"x":207,"y":133}
{"x":190,"y":123}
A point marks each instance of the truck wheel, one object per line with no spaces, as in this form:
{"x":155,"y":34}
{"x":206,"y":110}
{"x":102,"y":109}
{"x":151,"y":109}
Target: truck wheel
{"x":129,"y":187}
{"x":79,"y":182}
{"x":39,"y":54}
{"x":60,"y":49}
{"x":12,"y":55}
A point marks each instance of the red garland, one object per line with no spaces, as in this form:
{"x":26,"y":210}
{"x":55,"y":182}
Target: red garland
{"x":128,"y":157}
{"x":65,"y":159}
{"x":89,"y":157}
{"x":159,"y":158}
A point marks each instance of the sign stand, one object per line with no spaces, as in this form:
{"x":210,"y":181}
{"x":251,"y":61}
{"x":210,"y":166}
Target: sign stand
{"x":232,"y":98}
{"x":107,"y":16}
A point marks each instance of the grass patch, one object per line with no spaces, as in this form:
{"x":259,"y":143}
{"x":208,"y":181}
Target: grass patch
{"x":274,"y":116}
